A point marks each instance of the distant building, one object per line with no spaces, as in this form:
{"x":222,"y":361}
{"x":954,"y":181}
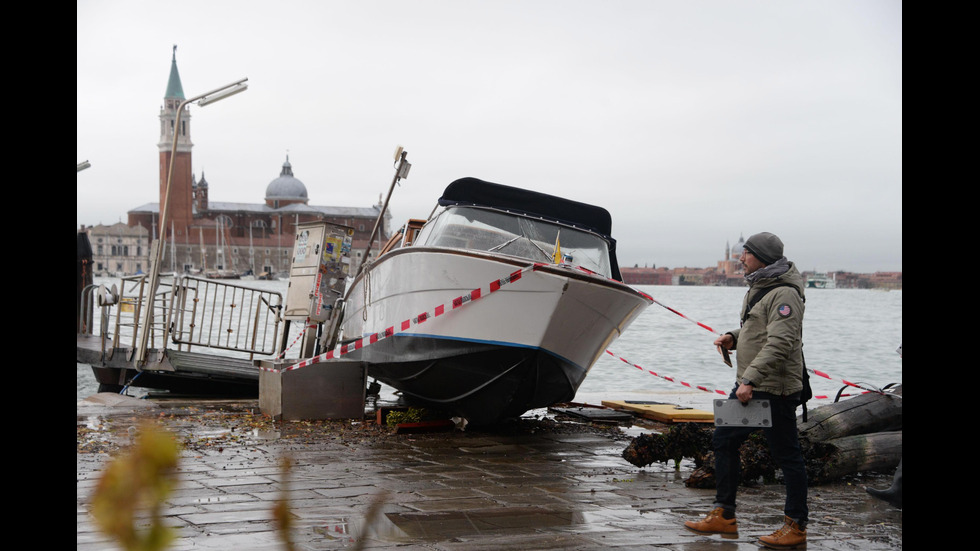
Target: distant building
{"x":886,"y":280}
{"x":730,"y":265}
{"x":203,"y":234}
{"x":700,"y":276}
{"x":730,"y":272}
{"x":119,"y":249}
{"x":646,"y":276}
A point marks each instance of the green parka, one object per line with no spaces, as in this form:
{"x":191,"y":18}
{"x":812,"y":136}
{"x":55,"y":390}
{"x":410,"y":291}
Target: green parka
{"x":769,"y":345}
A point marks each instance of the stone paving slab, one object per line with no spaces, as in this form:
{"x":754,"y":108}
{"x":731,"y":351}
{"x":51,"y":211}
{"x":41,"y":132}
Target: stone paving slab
{"x":536,"y":484}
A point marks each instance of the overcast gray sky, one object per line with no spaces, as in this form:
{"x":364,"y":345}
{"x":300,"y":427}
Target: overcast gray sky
{"x":692,"y":122}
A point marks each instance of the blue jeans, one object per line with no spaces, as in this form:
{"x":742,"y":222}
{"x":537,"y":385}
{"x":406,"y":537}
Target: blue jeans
{"x":784,"y":446}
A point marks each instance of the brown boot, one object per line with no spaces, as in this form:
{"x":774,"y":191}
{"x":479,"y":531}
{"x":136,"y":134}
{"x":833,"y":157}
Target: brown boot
{"x":788,"y":537}
{"x":714,"y":523}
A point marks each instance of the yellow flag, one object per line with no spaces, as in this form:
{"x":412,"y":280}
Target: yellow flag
{"x":557,"y":257}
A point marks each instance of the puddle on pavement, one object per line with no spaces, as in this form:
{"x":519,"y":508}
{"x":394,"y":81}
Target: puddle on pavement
{"x":348,"y":530}
{"x":449,"y":524}
{"x":266,"y":434}
{"x":443,"y":525}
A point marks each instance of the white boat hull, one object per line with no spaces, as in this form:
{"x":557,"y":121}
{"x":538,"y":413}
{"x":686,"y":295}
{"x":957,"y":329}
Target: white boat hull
{"x":529,"y":344}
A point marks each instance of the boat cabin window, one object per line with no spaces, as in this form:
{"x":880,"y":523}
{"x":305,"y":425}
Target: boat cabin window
{"x":515,"y":235}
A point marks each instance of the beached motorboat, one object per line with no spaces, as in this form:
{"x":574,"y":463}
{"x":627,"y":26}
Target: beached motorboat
{"x":535,"y":297}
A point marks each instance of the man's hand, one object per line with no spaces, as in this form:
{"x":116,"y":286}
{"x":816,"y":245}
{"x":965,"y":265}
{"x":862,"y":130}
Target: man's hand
{"x":725,"y":341}
{"x":744,"y":393}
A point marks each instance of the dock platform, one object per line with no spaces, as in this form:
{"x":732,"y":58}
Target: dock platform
{"x":194,"y":373}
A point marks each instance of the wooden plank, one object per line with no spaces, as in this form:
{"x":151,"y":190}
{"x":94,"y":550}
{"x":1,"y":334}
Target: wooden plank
{"x":659,"y":411}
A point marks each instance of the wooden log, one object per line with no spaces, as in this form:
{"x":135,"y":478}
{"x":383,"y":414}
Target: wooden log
{"x":825,"y":461}
{"x":863,"y":414}
{"x":838,"y":457}
{"x":679,"y":441}
{"x":859,"y":434}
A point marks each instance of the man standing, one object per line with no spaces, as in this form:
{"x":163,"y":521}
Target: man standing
{"x":769,"y":354}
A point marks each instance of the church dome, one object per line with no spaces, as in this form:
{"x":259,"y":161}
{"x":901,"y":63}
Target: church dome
{"x":738,"y":248}
{"x":286,"y":186}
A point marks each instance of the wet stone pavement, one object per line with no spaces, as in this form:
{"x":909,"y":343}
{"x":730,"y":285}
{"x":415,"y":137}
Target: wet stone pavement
{"x":535,"y":484}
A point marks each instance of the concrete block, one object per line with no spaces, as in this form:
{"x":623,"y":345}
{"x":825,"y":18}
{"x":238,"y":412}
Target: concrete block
{"x":333,"y":389}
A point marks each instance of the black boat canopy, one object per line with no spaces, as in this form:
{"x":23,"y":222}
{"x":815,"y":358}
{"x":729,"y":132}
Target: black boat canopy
{"x":475,"y":192}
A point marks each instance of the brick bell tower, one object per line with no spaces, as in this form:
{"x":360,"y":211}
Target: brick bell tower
{"x":180,"y":213}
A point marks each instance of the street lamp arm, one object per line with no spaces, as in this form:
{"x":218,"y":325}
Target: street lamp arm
{"x":216,"y":94}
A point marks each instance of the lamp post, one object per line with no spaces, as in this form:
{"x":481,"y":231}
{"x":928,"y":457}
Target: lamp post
{"x":217,"y":94}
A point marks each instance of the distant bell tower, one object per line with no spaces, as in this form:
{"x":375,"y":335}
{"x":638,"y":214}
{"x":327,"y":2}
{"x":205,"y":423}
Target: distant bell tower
{"x":180,"y":212}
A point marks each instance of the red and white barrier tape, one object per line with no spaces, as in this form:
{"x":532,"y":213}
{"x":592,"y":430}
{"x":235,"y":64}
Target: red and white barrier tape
{"x":298,"y":337}
{"x":655,"y":374}
{"x":725,"y":392}
{"x":444,"y":308}
{"x":699,"y":324}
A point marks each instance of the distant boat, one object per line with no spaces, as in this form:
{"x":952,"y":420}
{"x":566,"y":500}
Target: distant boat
{"x":820,"y":281}
{"x":222,"y":274}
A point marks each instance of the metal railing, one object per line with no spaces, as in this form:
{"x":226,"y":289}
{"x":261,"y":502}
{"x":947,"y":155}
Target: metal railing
{"x":188,"y":312}
{"x":119,"y":311}
{"x":215,"y":314}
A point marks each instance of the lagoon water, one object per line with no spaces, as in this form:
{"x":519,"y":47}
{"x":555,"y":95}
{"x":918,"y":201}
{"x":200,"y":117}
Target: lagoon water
{"x":849,"y":334}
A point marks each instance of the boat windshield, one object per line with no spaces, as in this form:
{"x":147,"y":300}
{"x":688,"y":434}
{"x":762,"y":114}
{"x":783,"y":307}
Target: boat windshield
{"x":515,"y":235}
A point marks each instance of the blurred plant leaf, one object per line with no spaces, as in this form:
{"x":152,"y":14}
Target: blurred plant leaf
{"x":129,"y":497}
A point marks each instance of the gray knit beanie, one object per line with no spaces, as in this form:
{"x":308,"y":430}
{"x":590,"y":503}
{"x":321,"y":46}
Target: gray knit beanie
{"x":765,"y":246}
